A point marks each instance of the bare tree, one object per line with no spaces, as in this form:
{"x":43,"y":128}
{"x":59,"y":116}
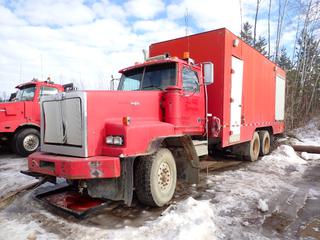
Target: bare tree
{"x":281,"y":14}
{"x":255,"y":22}
{"x":269,"y":38}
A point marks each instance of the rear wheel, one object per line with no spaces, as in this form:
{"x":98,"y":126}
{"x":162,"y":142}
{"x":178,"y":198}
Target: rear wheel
{"x":155,"y":178}
{"x":265,"y":142}
{"x":254,"y":148}
{"x":26,"y":141}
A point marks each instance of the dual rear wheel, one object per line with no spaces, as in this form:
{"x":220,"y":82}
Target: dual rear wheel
{"x":260,"y":144}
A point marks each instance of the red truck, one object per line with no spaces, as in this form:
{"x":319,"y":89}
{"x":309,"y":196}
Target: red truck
{"x":168,"y":111}
{"x":20,"y":117}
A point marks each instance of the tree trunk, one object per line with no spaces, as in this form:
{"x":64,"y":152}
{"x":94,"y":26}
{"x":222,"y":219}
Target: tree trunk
{"x":255,"y":23}
{"x":269,"y":38}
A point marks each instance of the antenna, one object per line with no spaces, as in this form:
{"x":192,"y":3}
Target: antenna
{"x":186,"y":21}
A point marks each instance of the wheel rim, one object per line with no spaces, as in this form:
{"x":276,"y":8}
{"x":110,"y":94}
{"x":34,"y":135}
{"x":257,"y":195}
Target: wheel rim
{"x":31,"y":142}
{"x":164,"y":177}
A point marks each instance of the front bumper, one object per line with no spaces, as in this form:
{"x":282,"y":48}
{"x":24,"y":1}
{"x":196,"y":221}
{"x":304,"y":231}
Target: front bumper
{"x":74,"y":167}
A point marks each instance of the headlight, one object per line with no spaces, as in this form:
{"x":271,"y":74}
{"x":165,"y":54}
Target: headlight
{"x":114,"y":140}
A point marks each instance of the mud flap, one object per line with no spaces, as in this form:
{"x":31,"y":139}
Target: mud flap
{"x":186,"y":158}
{"x":116,"y":189}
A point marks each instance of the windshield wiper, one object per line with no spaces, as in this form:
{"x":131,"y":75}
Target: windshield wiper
{"x":152,"y":86}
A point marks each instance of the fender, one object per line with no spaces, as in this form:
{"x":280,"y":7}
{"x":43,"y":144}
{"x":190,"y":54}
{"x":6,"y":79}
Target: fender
{"x":184,"y":153}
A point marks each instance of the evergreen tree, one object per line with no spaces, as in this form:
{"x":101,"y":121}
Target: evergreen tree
{"x":246,"y":33}
{"x":261,"y":45}
{"x":283,"y":60}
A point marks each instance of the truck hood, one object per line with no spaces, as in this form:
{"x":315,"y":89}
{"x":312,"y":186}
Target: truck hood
{"x":74,"y":123}
{"x":114,"y":105}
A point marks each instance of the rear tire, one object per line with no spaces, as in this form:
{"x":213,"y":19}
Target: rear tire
{"x":254,"y":148}
{"x":265,"y":142}
{"x":155,"y":178}
{"x":26,"y":141}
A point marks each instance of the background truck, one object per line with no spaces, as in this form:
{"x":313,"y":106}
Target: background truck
{"x":168,"y":112}
{"x":20,"y":117}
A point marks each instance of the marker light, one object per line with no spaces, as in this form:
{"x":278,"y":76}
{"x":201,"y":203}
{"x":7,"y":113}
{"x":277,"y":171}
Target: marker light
{"x":126,"y":121}
{"x":186,"y":55}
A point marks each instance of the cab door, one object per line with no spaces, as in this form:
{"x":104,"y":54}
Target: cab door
{"x":192,"y":100}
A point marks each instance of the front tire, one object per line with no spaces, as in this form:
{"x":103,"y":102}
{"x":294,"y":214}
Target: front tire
{"x":155,"y":178}
{"x":27,"y":141}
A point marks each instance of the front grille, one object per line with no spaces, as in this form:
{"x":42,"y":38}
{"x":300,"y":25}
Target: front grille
{"x":63,"y":122}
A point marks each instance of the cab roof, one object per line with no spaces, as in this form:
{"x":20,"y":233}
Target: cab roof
{"x":156,"y":61}
{"x":37,"y":82}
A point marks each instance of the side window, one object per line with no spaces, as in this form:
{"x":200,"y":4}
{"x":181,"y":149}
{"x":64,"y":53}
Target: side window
{"x":46,"y":91}
{"x":190,"y":80}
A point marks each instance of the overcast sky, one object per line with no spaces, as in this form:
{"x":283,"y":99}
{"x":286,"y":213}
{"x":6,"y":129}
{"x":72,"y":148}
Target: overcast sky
{"x":88,"y":41}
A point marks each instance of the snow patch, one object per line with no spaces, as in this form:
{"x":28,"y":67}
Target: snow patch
{"x":310,"y":156}
{"x":313,"y":194}
{"x":310,"y":133}
{"x":10,"y":177}
{"x":189,"y":219}
{"x":284,"y":159}
{"x":262,"y":205}
{"x":15,"y":229}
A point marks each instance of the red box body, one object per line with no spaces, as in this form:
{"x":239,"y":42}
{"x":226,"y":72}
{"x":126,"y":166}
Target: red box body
{"x":259,"y":79}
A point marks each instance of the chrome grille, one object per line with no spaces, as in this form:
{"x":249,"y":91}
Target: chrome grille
{"x":63,"y":124}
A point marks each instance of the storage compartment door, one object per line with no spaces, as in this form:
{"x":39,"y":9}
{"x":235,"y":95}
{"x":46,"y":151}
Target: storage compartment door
{"x":236,"y":99}
{"x":280,"y":98}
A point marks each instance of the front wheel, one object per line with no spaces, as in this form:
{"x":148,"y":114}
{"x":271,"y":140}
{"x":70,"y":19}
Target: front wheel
{"x":155,"y":178}
{"x":27,"y":141}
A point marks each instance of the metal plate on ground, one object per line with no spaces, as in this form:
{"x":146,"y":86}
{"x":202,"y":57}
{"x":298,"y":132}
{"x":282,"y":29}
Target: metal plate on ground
{"x":65,"y":198}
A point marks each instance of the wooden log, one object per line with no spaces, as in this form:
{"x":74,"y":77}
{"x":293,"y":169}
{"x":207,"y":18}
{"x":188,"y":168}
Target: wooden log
{"x":306,"y":148}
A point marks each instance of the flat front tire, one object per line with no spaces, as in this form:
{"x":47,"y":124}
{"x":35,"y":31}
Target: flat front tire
{"x":155,"y":178}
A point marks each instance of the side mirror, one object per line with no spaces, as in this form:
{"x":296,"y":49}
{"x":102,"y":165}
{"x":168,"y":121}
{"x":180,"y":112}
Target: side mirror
{"x":208,"y":70}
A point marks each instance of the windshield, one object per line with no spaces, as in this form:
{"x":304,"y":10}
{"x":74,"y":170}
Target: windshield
{"x":25,"y":93}
{"x":153,"y":77}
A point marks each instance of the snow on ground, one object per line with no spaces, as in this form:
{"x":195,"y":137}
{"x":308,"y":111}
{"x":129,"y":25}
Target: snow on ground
{"x":309,"y":134}
{"x":10,"y":176}
{"x":230,"y":207}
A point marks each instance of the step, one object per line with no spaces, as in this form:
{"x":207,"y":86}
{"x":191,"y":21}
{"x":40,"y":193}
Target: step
{"x":201,"y":147}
